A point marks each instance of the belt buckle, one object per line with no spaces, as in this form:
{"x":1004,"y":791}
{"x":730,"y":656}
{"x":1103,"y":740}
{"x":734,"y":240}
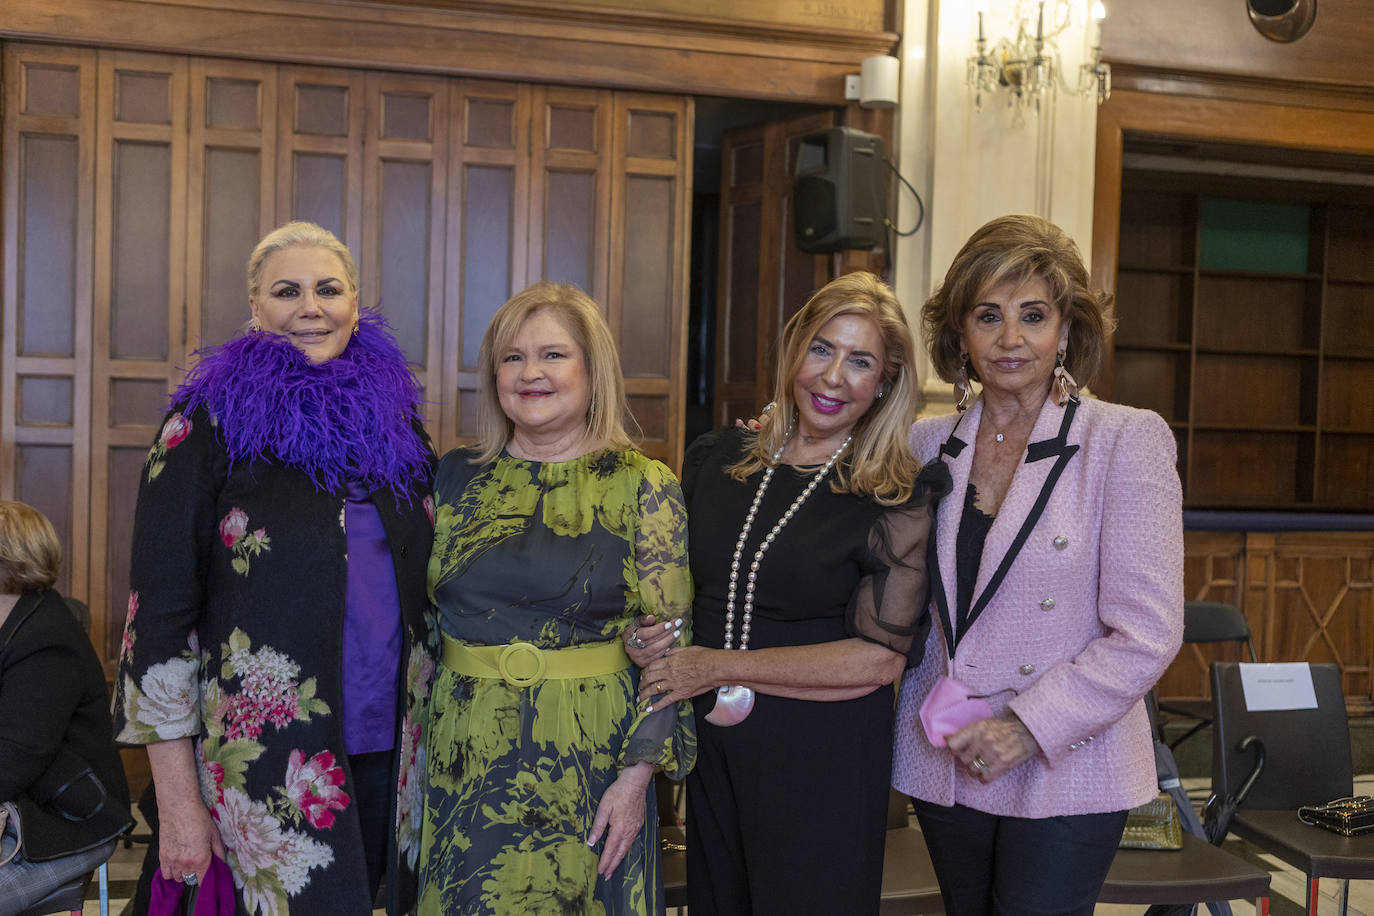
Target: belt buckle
{"x":511,"y":654}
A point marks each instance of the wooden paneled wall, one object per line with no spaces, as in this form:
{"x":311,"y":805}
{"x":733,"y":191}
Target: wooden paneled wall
{"x":135,"y":184}
{"x":1308,"y":596}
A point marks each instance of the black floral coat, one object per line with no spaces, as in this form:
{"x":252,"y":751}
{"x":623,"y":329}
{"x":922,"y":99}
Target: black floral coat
{"x":235,"y":638}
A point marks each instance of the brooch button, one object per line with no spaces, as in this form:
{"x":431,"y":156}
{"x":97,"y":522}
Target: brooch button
{"x":1047,"y":604}
{"x":1060,"y":542}
{"x":1027,"y":669}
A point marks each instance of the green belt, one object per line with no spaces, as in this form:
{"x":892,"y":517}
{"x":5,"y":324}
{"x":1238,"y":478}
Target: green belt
{"x":523,"y":664}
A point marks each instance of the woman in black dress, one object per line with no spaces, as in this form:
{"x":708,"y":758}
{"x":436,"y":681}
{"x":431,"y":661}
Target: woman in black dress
{"x":808,"y":544}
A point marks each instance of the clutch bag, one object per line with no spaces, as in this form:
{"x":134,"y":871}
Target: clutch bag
{"x":1346,"y":816}
{"x":1153,"y":825}
{"x":949,"y":707}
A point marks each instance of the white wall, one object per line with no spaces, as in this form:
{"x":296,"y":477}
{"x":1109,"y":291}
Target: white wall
{"x":972,"y":166}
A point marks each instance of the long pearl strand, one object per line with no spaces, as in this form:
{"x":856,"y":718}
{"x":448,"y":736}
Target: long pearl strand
{"x":733,"y":703}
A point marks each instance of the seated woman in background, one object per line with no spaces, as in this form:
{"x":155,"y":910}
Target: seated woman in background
{"x":1058,"y":591}
{"x":60,"y":773}
{"x":808,"y":550}
{"x":550,"y":536}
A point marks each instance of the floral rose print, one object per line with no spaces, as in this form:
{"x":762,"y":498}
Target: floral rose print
{"x":167,"y":699}
{"x":313,"y":788}
{"x":271,"y":861}
{"x":174,"y":432}
{"x":233,"y":531}
{"x":126,"y":644}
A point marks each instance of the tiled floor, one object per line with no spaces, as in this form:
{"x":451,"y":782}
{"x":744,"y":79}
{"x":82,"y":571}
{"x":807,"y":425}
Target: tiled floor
{"x":1288,"y":893}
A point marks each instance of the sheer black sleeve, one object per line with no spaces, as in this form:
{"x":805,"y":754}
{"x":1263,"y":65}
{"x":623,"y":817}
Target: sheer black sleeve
{"x":890,"y":605}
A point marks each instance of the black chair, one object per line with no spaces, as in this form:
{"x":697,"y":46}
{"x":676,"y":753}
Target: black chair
{"x":1207,"y":622}
{"x":1306,"y":761}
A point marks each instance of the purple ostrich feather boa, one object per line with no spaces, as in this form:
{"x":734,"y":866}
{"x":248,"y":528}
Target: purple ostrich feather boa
{"x":350,"y":417}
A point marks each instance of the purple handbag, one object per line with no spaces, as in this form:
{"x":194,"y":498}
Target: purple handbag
{"x":214,"y":896}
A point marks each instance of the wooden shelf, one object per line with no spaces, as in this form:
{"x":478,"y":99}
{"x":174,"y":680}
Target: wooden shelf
{"x":1225,"y":274}
{"x":1181,"y":270}
{"x":1209,"y":350}
{"x":1264,"y":378}
{"x":1155,"y":347}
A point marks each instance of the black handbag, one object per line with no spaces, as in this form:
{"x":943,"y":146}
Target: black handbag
{"x":1347,"y":816}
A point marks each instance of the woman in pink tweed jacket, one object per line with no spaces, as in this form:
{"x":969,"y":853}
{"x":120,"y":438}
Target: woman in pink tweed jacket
{"x":1057,"y":585}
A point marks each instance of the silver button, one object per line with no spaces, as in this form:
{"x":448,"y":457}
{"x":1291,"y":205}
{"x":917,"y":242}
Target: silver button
{"x":1060,"y":542}
{"x":1047,"y":604}
{"x":1027,"y":669}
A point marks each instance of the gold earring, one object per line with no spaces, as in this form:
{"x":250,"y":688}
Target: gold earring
{"x":355,"y":329}
{"x":253,"y":326}
{"x":1064,"y":388}
{"x":963,"y":389}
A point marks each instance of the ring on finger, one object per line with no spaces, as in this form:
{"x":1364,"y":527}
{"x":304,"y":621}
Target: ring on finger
{"x":634,"y":642}
{"x":660,"y":687}
{"x":978,"y":765}
{"x":189,"y":878}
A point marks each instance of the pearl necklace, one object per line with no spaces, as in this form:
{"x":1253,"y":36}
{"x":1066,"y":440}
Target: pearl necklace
{"x":733,"y":703}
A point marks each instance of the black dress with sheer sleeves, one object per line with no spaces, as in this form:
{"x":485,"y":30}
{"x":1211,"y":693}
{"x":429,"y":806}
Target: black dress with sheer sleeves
{"x":786,"y":810}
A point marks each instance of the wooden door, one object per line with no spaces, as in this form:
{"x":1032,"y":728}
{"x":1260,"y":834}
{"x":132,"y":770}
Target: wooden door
{"x":763,"y":278}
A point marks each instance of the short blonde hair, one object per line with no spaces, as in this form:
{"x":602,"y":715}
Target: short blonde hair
{"x":879,"y":464}
{"x":608,"y":414}
{"x":1019,"y":247}
{"x":29,"y":552}
{"x":299,"y":234}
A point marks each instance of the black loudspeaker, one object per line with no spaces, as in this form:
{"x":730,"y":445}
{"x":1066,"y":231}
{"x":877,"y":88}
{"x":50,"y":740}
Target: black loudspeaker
{"x":838,"y":190}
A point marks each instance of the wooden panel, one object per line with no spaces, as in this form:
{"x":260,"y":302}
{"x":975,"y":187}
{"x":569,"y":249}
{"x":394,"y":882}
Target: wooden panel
{"x":231,"y":190}
{"x":1348,"y":324}
{"x":547,"y":41}
{"x":320,"y":151}
{"x":140,"y":288}
{"x":571,"y":192}
{"x":1346,"y":473}
{"x":487,"y":230}
{"x":650,"y":220}
{"x":1154,"y":380}
{"x":1273,"y":388}
{"x":47,"y":160}
{"x":1236,"y":468}
{"x":1308,"y":596}
{"x":403,"y":245}
{"x":123,"y":465}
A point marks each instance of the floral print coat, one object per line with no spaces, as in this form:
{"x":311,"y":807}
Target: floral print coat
{"x":234,"y":637}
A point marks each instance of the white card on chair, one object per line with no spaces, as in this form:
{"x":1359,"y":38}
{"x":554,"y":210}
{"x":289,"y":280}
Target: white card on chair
{"x":1277,"y":685}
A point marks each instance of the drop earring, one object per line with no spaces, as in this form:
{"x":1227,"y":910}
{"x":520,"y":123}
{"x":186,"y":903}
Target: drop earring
{"x":253,"y":326}
{"x":963,"y":389}
{"x":1063,"y":388}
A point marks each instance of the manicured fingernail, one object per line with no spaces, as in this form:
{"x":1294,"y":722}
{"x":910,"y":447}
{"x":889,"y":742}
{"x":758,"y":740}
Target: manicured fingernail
{"x":676,"y":634}
{"x":649,"y":708}
{"x":678,"y":622}
{"x":667,"y":626}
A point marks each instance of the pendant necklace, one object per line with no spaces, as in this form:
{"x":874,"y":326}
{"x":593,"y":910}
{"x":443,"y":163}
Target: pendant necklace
{"x":734,"y":702}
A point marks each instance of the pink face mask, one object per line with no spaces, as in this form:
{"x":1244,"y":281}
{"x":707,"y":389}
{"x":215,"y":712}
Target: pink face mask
{"x":949,"y":707}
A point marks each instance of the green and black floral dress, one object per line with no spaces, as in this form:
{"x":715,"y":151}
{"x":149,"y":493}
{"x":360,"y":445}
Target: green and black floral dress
{"x":557,"y":554}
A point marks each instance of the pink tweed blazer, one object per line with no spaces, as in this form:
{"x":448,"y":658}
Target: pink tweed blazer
{"x":1078,"y":609}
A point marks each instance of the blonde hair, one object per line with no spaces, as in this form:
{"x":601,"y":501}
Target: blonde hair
{"x":879,"y":463}
{"x":298,"y":234}
{"x":1019,"y":247}
{"x":608,"y":414}
{"x":29,"y":552}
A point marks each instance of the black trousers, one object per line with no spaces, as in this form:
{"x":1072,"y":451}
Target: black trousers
{"x":986,"y":863}
{"x":373,"y":785}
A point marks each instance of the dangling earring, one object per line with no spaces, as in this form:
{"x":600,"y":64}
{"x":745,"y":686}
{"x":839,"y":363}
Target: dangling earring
{"x":1063,"y":389}
{"x":963,"y":389}
{"x":355,"y":329}
{"x":253,"y":326}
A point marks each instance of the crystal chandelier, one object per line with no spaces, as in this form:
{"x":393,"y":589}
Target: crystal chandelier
{"x":1029,"y":66}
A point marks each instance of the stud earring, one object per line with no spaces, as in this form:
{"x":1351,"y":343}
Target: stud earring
{"x":1064,"y":388}
{"x":963,"y":389}
{"x":355,"y":329}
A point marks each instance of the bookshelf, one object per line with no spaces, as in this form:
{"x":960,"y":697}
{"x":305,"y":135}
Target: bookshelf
{"x":1246,"y":319}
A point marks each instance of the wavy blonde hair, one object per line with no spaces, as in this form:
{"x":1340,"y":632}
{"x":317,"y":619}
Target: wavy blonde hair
{"x":299,"y":234}
{"x":879,"y":463}
{"x":608,"y":414}
{"x":30,"y":554}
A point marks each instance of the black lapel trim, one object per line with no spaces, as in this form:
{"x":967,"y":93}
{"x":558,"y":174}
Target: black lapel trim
{"x":1059,"y":448}
{"x":951,"y":447}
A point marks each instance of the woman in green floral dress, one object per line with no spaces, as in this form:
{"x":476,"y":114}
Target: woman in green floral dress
{"x":550,"y":536}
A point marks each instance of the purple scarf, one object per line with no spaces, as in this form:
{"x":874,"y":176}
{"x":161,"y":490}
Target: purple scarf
{"x":355,"y":416}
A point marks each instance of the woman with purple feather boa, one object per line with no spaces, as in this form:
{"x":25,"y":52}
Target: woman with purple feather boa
{"x":279,"y":644}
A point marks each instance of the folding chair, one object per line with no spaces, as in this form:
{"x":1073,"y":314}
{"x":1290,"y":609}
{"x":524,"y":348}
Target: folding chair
{"x":1306,"y":761}
{"x":1207,"y":622}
